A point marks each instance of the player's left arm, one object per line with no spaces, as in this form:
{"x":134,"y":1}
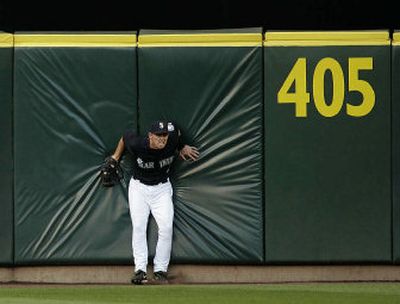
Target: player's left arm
{"x":187,"y":152}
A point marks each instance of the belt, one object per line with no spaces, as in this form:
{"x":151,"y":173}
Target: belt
{"x":153,"y":183}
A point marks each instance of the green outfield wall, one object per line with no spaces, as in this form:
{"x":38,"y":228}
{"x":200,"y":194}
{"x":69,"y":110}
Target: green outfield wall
{"x":74,"y":95}
{"x":299,"y":136}
{"x":327,"y":147}
{"x":210,"y":84}
{"x":396,"y":144}
{"x":6,"y":156}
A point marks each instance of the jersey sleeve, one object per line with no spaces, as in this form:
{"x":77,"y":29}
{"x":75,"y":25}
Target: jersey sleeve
{"x":131,"y":140}
{"x":180,"y":144}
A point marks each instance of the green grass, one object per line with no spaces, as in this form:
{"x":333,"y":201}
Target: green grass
{"x":363,"y":293}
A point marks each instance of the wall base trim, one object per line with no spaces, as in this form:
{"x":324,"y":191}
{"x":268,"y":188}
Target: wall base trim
{"x":191,"y":274}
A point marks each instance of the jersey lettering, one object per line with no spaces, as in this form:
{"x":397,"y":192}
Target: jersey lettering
{"x":143,"y":165}
{"x":166,"y":161}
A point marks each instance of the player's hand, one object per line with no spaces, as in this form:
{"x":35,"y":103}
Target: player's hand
{"x":189,"y":153}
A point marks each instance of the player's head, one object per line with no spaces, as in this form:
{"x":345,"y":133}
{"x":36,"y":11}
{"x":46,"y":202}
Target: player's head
{"x":158,"y":134}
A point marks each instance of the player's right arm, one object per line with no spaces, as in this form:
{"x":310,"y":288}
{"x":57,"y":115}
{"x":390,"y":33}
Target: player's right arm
{"x":128,"y":140}
{"x":119,"y":150}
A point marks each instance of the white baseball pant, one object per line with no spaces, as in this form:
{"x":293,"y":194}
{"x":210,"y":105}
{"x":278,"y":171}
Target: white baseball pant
{"x":157,"y":199}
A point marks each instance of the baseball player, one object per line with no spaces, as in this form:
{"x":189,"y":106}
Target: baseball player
{"x":150,"y":190}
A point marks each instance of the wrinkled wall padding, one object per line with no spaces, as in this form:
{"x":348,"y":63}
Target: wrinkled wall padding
{"x":327,"y":195}
{"x":213,"y":91}
{"x":72,"y":104}
{"x":396,"y":144}
{"x":6,"y":158}
{"x":328,"y":184}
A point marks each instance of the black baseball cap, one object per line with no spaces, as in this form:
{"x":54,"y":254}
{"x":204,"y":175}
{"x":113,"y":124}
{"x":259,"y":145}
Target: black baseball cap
{"x":159,"y":127}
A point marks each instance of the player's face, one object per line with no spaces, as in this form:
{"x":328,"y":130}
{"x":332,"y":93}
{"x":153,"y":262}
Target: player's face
{"x":158,"y":141}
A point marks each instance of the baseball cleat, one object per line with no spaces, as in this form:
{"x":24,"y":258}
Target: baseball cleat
{"x":161,"y":277}
{"x":139,"y":278}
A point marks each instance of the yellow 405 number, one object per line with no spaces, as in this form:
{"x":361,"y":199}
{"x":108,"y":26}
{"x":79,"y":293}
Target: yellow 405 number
{"x":300,"y":97}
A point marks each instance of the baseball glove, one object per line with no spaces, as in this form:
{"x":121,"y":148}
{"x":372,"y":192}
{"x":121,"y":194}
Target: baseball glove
{"x":110,"y":173}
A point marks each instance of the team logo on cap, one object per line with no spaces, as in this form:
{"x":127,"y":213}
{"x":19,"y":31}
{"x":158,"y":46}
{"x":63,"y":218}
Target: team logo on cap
{"x":171,"y":127}
{"x":161,"y":125}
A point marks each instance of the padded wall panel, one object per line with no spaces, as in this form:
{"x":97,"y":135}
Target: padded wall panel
{"x":6,"y":158}
{"x":210,"y":84}
{"x":328,"y":147}
{"x":396,"y":144}
{"x":74,"y":97}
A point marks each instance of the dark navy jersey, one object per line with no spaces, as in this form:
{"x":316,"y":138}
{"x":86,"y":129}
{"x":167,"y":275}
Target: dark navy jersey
{"x":152,"y":166}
